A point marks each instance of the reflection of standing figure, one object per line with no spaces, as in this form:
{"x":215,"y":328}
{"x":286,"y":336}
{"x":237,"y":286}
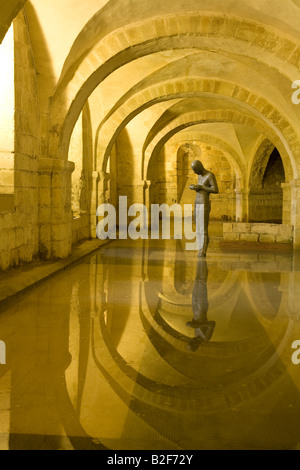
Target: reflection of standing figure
{"x":207,"y":184}
{"x":204,"y":329}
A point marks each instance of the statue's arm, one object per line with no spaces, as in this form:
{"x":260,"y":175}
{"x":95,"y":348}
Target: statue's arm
{"x":212,"y":187}
{"x":196,"y":187}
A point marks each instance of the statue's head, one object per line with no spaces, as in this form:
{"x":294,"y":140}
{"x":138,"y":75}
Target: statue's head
{"x":197,"y":167}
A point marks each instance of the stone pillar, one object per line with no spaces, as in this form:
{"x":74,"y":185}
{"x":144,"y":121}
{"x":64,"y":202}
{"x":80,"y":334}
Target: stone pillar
{"x":139,"y":193}
{"x":287,"y":203}
{"x":55,"y":212}
{"x":102,"y":187}
{"x":242,"y":198}
{"x":146,"y":199}
{"x":94,"y":178}
{"x":98,"y":187}
{"x":295,"y":211}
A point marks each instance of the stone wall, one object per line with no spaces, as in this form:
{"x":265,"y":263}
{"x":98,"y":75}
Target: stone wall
{"x":80,"y":229}
{"x":7,"y":123}
{"x":174,"y":175}
{"x":266,"y":205}
{"x":266,"y":195}
{"x":263,"y":233}
{"x":19,"y":227}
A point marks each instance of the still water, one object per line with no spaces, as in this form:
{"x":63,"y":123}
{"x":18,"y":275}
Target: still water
{"x":143,"y":346}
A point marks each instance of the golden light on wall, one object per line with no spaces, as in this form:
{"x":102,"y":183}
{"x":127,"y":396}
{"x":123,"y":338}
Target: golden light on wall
{"x":7,"y":105}
{"x":75,"y":155}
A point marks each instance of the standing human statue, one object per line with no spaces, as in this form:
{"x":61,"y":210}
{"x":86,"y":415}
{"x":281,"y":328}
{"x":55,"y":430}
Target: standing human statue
{"x":207,"y":184}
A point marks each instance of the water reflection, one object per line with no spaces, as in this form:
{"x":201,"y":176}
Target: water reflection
{"x":204,"y":329}
{"x":106,"y":355}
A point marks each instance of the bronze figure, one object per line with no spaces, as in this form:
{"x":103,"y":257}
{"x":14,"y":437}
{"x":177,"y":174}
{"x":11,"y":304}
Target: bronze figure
{"x":207,"y":184}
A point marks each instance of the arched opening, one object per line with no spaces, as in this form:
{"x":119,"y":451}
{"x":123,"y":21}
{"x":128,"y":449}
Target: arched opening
{"x":266,"y":199}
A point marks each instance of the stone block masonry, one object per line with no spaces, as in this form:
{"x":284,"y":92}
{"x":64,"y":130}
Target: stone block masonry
{"x":19,"y":208}
{"x":255,"y":232}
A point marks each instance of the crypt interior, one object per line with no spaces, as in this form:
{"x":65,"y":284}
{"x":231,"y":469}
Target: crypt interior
{"x":138,"y":344}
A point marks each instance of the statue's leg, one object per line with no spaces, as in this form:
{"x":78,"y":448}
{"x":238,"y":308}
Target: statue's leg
{"x":200,"y":296}
{"x":200,"y":226}
{"x":202,"y":252}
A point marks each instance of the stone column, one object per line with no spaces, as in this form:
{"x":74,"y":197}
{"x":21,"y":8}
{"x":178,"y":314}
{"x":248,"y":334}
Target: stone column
{"x":102,"y":187}
{"x":146,"y":199}
{"x":295,"y":211}
{"x":242,"y":198}
{"x":55,"y":213}
{"x":287,"y":203}
{"x":94,"y":178}
{"x":139,"y":193}
{"x":98,"y":187}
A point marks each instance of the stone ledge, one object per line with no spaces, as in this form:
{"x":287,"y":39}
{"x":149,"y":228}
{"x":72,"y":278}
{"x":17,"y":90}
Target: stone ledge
{"x":18,"y":280}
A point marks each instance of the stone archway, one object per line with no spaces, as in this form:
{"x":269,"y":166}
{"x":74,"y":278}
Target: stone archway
{"x":266,"y":178}
{"x":9,"y":10}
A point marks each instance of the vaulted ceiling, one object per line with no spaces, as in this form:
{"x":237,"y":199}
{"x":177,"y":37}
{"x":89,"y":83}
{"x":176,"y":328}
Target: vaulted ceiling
{"x":230,"y":62}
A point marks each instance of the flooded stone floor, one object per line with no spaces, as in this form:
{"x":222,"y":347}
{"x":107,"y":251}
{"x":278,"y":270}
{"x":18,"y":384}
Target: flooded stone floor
{"x":143,"y":346}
